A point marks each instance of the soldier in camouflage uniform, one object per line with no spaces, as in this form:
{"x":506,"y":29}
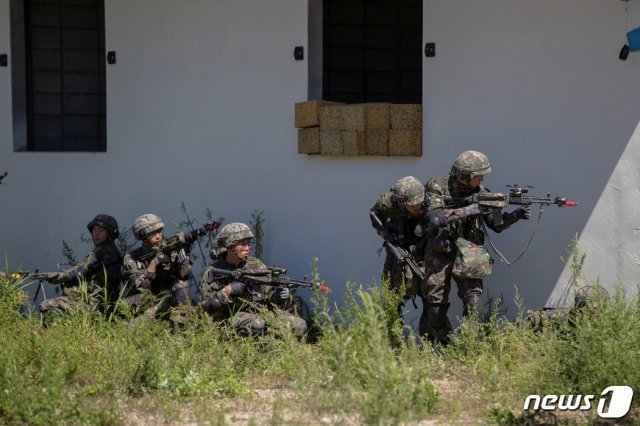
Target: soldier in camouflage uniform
{"x":455,"y":233}
{"x":236,"y":302}
{"x":401,"y":211}
{"x":101,"y":269}
{"x":160,"y":281}
{"x":586,"y":295}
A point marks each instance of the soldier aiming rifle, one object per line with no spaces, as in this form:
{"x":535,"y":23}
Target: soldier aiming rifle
{"x":159,"y":270}
{"x":236,"y":288}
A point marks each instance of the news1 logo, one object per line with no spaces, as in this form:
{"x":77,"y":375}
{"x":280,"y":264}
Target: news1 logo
{"x":614,"y":402}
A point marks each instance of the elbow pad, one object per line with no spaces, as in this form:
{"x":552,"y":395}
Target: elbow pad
{"x":212,"y":305}
{"x":237,"y":288}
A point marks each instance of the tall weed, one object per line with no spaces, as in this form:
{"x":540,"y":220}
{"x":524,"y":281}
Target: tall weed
{"x":360,"y":370}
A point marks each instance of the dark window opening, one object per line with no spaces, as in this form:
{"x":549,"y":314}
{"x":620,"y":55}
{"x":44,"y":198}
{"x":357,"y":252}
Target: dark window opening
{"x":64,"y":75}
{"x":372,"y":51}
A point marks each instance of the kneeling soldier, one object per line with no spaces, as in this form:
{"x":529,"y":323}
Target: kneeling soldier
{"x":158,"y":280}
{"x":228,"y":299}
{"x":101,"y":269}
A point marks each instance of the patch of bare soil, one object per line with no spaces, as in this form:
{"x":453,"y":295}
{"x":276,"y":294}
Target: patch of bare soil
{"x":278,"y":404}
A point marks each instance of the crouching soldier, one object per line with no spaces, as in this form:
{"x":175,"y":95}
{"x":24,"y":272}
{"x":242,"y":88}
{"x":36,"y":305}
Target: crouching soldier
{"x":587,"y":297}
{"x":101,"y":270}
{"x":401,"y":215}
{"x":158,"y":278}
{"x":239,"y":302}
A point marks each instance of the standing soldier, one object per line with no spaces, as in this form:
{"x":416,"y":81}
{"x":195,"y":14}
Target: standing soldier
{"x":228,"y":299}
{"x":401,"y":211}
{"x":455,"y":244}
{"x":158,"y":280}
{"x":101,"y":269}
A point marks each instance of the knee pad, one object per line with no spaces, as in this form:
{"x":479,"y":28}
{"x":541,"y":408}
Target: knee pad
{"x":437,"y":314}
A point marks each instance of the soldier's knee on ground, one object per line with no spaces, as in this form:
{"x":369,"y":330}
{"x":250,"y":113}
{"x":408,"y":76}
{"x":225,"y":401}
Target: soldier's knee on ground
{"x":248,"y":323}
{"x":297,"y":324}
{"x":181,"y":293}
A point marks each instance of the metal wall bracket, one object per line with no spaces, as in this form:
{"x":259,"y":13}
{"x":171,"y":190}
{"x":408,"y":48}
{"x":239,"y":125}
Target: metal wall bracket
{"x":4,"y":60}
{"x":298,"y":53}
{"x":430,"y":50}
{"x":111,"y":57}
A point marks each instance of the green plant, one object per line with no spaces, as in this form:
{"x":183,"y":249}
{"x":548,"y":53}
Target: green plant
{"x":257,"y":225}
{"x":68,"y":253}
{"x":362,"y":370}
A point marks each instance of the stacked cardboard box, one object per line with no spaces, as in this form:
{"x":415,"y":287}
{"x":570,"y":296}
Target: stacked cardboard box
{"x":333,"y":128}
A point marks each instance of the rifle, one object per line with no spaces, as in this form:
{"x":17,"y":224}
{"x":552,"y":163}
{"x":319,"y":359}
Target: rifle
{"x":398,"y":252}
{"x":496,"y":201}
{"x":175,"y":243}
{"x":273,"y":276}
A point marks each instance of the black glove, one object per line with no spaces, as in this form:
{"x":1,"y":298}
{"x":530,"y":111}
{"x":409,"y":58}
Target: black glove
{"x":391,"y":237}
{"x":523,"y":212}
{"x":437,"y":219}
{"x":162,"y":259}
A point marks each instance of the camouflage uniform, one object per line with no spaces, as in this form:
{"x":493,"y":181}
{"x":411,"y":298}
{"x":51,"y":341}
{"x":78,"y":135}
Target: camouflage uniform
{"x":242,"y":308}
{"x":155,"y":292}
{"x":586,"y":295}
{"x":441,"y":249}
{"x":408,"y":232}
{"x":101,"y":269}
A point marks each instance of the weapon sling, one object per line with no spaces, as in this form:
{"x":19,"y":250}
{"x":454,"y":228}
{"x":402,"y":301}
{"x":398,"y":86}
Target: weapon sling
{"x":526,"y":247}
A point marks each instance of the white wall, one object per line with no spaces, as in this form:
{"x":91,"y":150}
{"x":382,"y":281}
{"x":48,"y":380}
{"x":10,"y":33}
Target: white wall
{"x":200,"y":110}
{"x":537,"y":86}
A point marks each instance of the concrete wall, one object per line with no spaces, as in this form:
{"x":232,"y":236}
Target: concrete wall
{"x":200,"y":111}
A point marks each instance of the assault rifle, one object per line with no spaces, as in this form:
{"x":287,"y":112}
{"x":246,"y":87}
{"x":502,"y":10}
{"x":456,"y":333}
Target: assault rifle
{"x":175,"y":243}
{"x":273,"y":276}
{"x":398,"y":252}
{"x":496,"y":201}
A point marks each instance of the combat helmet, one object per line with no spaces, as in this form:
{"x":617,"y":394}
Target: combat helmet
{"x":107,"y":222}
{"x":408,"y":191}
{"x":145,"y":225}
{"x":589,"y":295}
{"x":470,"y":164}
{"x":232,"y":233}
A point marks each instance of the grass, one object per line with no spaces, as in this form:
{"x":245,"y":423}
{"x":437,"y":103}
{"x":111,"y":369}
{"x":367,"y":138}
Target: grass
{"x":83,"y":368}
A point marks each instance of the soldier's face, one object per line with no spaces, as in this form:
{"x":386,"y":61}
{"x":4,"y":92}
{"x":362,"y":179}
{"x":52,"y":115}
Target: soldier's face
{"x":239,"y":251}
{"x":413,"y":209}
{"x":99,"y":235}
{"x":473,"y":182}
{"x":155,"y":238}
